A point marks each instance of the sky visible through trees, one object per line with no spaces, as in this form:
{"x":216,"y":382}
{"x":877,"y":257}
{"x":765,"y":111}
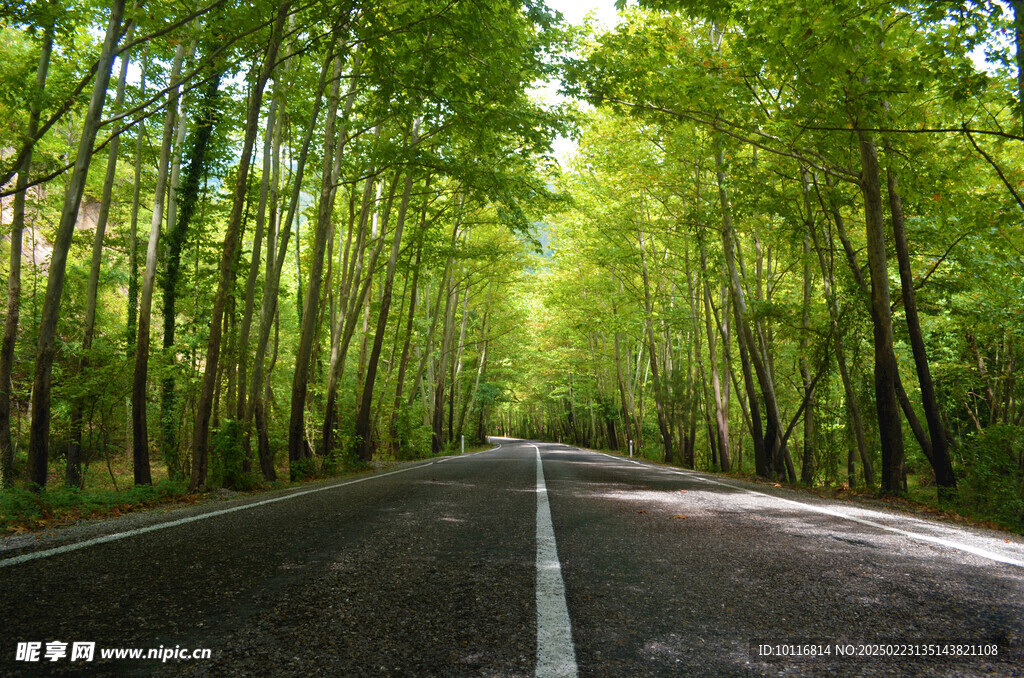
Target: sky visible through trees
{"x":244,"y":244}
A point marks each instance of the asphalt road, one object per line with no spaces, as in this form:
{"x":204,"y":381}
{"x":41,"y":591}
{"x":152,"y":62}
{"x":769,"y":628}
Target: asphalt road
{"x":487,"y":564}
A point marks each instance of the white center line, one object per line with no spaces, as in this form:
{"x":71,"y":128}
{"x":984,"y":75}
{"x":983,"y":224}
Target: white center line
{"x":556,"y":655}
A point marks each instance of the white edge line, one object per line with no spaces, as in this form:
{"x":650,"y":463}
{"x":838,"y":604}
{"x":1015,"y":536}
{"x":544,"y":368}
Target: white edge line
{"x":46,"y":553}
{"x":984,"y":553}
{"x":441,"y":460}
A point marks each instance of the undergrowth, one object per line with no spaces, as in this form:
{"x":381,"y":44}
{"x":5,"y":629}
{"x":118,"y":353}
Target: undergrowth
{"x":22,"y":510}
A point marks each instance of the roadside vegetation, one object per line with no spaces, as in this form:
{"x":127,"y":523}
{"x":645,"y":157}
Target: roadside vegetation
{"x":248,"y":243}
{"x":794,"y":249}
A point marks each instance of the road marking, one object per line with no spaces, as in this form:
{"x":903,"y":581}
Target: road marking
{"x":984,"y":553}
{"x":464,"y":456}
{"x":16,"y":560}
{"x":556,"y":655}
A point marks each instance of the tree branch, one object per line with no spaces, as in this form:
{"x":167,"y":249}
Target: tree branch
{"x":992,"y":162}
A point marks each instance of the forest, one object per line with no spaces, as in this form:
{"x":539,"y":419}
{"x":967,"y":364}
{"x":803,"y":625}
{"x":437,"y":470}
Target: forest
{"x":251,"y":244}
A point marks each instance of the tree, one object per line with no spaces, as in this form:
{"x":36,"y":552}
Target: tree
{"x":39,"y":442}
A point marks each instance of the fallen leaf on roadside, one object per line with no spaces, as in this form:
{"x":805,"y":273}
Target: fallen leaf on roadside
{"x":682,"y":491}
{"x":680,"y":517}
{"x":641,"y":511}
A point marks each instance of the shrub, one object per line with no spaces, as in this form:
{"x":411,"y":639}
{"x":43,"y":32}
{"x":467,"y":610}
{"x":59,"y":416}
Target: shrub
{"x":227,"y":459}
{"x":991,"y":480}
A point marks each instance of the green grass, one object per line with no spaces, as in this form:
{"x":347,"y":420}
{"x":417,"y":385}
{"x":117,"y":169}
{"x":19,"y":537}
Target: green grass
{"x":22,"y":510}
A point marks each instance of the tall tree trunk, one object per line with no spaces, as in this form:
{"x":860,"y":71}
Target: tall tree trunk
{"x":468,"y":403}
{"x":939,"y":457}
{"x":173,"y":238}
{"x":886,"y":370}
{"x":39,"y":438}
{"x":721,"y":405}
{"x":720,"y":391}
{"x":254,"y":261}
{"x":256,"y":401}
{"x":747,"y":342}
{"x":231,"y":238}
{"x":852,"y":402}
{"x":364,"y":442}
{"x":423,"y":357}
{"x":807,"y":465}
{"x":693,"y":361}
{"x":354,"y":292}
{"x":73,"y":475}
{"x":659,"y":394}
{"x":403,"y":363}
{"x":447,"y":336}
{"x":140,"y":434}
{"x":625,"y":395}
{"x":456,"y":395}
{"x":177,"y":234}
{"x":298,"y":447}
{"x":14,"y":271}
{"x":133,"y":239}
{"x":269,"y":317}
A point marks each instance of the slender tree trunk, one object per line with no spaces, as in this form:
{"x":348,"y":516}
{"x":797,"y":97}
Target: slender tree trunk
{"x":178,"y":224}
{"x":706,"y":396}
{"x":468,"y":403}
{"x":140,"y":434}
{"x":721,"y":405}
{"x":256,"y":402}
{"x":133,"y":239}
{"x":298,"y":447}
{"x":692,"y":362}
{"x":990,"y":393}
{"x":747,"y":342}
{"x":364,"y":442}
{"x":468,"y":406}
{"x":74,"y":454}
{"x":266,"y":458}
{"x":886,"y":370}
{"x":14,"y":271}
{"x":254,"y":260}
{"x":852,"y":402}
{"x":39,"y":439}
{"x":666,"y":434}
{"x":404,"y":361}
{"x":455,"y":369}
{"x":939,"y":457}
{"x":447,"y":332}
{"x":625,"y":395}
{"x":269,"y":319}
{"x":355,"y":293}
{"x":724,"y":330}
{"x":807,"y":465}
{"x":231,"y":239}
{"x":424,"y":356}
{"x":173,"y":239}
